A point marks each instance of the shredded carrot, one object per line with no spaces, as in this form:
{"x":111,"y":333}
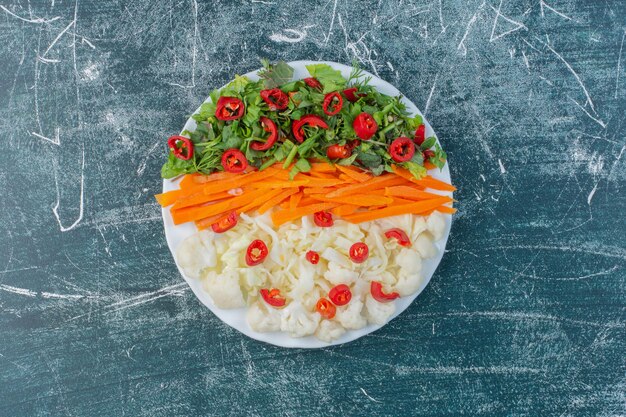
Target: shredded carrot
{"x":394,"y":210}
{"x":371,"y":184}
{"x":201,"y":198}
{"x":294,"y":200}
{"x":344,"y":210}
{"x":317,"y":190}
{"x":322,"y":167}
{"x":283,"y":216}
{"x":259,"y":201}
{"x":364,"y":200}
{"x":446,"y":209}
{"x":276,"y":200}
{"x":207,"y":221}
{"x":409,"y":192}
{"x":211,"y":209}
{"x":238,"y":181}
{"x":426,"y":181}
{"x":280,"y":184}
{"x":354,"y":173}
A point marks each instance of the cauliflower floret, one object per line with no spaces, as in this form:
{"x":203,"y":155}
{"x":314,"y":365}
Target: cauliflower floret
{"x":336,"y":274}
{"x":224,"y":289}
{"x":304,"y":280}
{"x":196,"y":253}
{"x":262,"y":318}
{"x":424,"y":245}
{"x":408,"y":283}
{"x":409,"y":261}
{"x":436,"y":224}
{"x":350,"y":316}
{"x":377,"y":312}
{"x":298,"y":322}
{"x":329,"y":330}
{"x":251,"y":279}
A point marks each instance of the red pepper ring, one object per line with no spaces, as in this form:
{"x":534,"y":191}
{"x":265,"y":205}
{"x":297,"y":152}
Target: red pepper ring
{"x":399,"y":235}
{"x":428,"y":153}
{"x":364,"y":126}
{"x":338,"y":151}
{"x":340,"y":295}
{"x":233,"y":160}
{"x":312,"y":120}
{"x":229,"y":108}
{"x":269,"y":126}
{"x":359,"y":252}
{"x":225,"y":223}
{"x":275,"y":98}
{"x":326,"y":308}
{"x":181,"y":147}
{"x":352,"y":95}
{"x":312,"y":257}
{"x":420,"y":135}
{"x":402,"y":149}
{"x":332,"y":103}
{"x":256,"y":252}
{"x":312,"y":82}
{"x":323,"y":219}
{"x":376,"y":289}
{"x":272,"y":297}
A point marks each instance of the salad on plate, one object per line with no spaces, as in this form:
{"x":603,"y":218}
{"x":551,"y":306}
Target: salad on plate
{"x":314,"y":200}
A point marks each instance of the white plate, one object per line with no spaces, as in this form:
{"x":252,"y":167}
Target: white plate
{"x":237,"y":317}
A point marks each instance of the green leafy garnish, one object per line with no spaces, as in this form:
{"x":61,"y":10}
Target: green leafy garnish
{"x":330,"y":78}
{"x":275,"y":75}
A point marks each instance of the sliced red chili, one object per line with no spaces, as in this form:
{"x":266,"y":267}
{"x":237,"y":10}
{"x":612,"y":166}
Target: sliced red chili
{"x":352,"y":95}
{"x":359,"y":252}
{"x":332,"y":104}
{"x":225,"y":223}
{"x":323,"y":219}
{"x":312,"y":257}
{"x":402,"y":149}
{"x":297,"y":127}
{"x":229,"y":108}
{"x":376,"y":288}
{"x":312,"y":82}
{"x":326,"y":309}
{"x":269,"y":126}
{"x":233,"y":160}
{"x":275,"y":98}
{"x":399,"y":235}
{"x":181,"y":147}
{"x":338,"y":151}
{"x":256,"y":252}
{"x":428,"y":153}
{"x":272,"y":297}
{"x":364,"y":126}
{"x":340,"y":295}
{"x":420,"y":134}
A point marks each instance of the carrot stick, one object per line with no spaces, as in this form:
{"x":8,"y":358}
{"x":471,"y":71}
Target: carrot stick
{"x":363,"y":200}
{"x":280,"y":184}
{"x":354,"y":173}
{"x":364,"y":187}
{"x":259,"y":201}
{"x":276,"y":200}
{"x":344,"y":209}
{"x":190,"y":180}
{"x":238,"y":181}
{"x":415,"y":208}
{"x":429,"y":165}
{"x":426,"y":181}
{"x":446,"y":209}
{"x":317,"y":190}
{"x":169,"y":197}
{"x":206,"y":210}
{"x":294,"y":200}
{"x":322,"y":167}
{"x":320,"y":174}
{"x":285,"y":204}
{"x":412,"y":193}
{"x":284,"y":216}
{"x":207,"y":221}
{"x":200,"y":198}
{"x":347,"y":179}
{"x":323,"y":182}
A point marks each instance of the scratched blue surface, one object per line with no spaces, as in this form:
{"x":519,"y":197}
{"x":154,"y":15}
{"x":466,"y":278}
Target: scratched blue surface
{"x":525,"y":315}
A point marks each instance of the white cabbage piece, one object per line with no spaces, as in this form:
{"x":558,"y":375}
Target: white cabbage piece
{"x":332,"y":255}
{"x":303,"y":281}
{"x":196,"y":253}
{"x":336,"y":274}
{"x":350,"y":315}
{"x":224,"y":289}
{"x":409,"y":260}
{"x":436,"y":224}
{"x":297,"y":321}
{"x":329,"y":330}
{"x":377,"y":312}
{"x":262,"y":318}
{"x":425,"y":246}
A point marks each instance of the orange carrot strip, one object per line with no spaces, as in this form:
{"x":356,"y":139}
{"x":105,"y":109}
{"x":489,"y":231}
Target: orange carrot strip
{"x":259,"y":201}
{"x":200,"y":198}
{"x":446,"y":209}
{"x":169,"y":197}
{"x":294,"y":200}
{"x":207,"y":221}
{"x":363,"y":200}
{"x":394,"y":210}
{"x":238,"y":181}
{"x":317,"y":190}
{"x":276,"y":200}
{"x":320,"y":174}
{"x":197,"y":179}
{"x":354,"y":173}
{"x":400,"y":200}
{"x":280,"y":184}
{"x":429,"y":165}
{"x":206,"y":210}
{"x":307,"y":201}
{"x":426,"y":181}
{"x":364,"y":187}
{"x":344,"y":209}
{"x":323,"y":182}
{"x":322,"y":167}
{"x":409,"y":192}
{"x":284,"y":216}
{"x":347,"y":179}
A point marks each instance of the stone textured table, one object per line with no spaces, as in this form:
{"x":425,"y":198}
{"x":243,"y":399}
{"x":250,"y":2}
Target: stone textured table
{"x":525,"y":315}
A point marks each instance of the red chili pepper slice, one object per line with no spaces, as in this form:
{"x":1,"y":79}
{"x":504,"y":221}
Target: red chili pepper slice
{"x":272,"y":297}
{"x":229,"y":108}
{"x":256,"y":252}
{"x":399,"y":235}
{"x":420,"y":135}
{"x":181,"y":147}
{"x":428,"y":153}
{"x":364,"y":126}
{"x":359,"y":252}
{"x":275,"y":98}
{"x":352,"y":95}
{"x":340,"y":295}
{"x":297,"y":127}
{"x":233,"y":160}
{"x":225,"y":223}
{"x":323,"y":219}
{"x":269,"y":126}
{"x":312,"y":257}
{"x":402,"y":149}
{"x":312,"y":82}
{"x":338,"y":151}
{"x":332,"y":104}
{"x":376,"y":288}
{"x":326,"y":309}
